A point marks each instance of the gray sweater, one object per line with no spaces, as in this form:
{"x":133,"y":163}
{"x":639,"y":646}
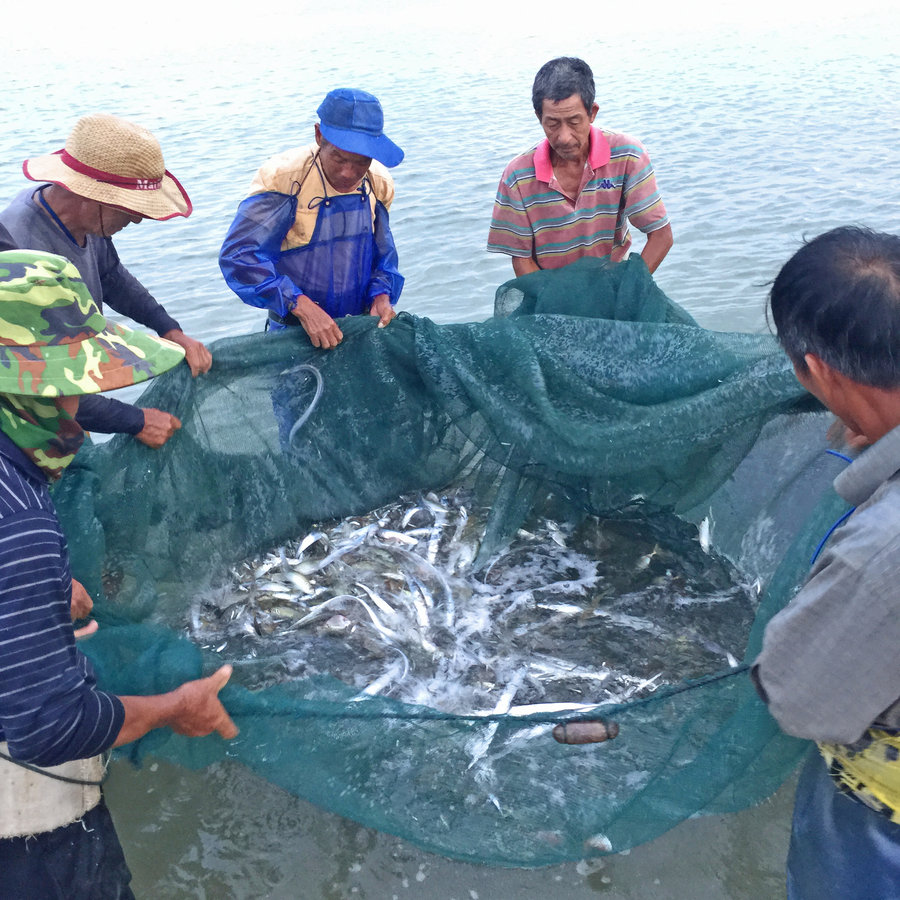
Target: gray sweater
{"x":108,"y":281}
{"x":830,"y":662}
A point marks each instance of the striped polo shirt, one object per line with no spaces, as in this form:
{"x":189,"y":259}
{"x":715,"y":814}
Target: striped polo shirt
{"x":50,"y":708}
{"x":533,"y":218}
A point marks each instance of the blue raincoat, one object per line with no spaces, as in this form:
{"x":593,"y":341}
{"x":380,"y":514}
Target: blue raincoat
{"x":346,"y":264}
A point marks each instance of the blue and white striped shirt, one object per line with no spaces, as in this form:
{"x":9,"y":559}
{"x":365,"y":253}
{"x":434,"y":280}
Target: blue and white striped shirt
{"x":50,"y":708}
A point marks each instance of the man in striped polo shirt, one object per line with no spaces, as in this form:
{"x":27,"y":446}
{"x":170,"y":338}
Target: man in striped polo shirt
{"x":575,"y":193}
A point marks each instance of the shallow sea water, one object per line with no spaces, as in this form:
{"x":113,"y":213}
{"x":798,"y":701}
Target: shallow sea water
{"x":764,"y":126}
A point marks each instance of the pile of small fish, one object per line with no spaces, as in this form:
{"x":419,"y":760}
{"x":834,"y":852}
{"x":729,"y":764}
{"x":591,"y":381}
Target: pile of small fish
{"x":567,"y":616}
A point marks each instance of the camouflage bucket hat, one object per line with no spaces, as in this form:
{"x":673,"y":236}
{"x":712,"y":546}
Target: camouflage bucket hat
{"x":55,"y":342}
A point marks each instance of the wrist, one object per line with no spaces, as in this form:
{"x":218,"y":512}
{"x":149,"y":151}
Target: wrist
{"x":297,"y":304}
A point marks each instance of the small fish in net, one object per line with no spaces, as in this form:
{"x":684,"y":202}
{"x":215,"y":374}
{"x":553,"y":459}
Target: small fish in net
{"x":568,"y":616}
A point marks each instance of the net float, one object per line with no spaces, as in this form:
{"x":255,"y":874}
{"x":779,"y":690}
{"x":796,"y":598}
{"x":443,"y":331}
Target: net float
{"x":593,"y":732}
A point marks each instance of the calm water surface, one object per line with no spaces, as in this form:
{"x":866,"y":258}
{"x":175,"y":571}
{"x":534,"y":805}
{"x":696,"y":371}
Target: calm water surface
{"x":762,"y":131}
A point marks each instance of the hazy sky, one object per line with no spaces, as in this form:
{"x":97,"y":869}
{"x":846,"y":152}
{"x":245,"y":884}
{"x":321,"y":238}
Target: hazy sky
{"x":110,"y":26}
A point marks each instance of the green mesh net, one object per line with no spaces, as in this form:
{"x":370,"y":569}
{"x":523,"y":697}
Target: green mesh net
{"x":589,"y":393}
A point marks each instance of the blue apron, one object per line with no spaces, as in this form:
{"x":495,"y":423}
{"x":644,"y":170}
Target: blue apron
{"x":348,"y":262}
{"x":335,"y":267}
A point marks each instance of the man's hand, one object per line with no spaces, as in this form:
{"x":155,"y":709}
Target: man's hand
{"x":321,"y":328}
{"x":195,"y":354}
{"x":81,"y":606}
{"x":81,"y":603}
{"x":381,"y":307}
{"x":87,"y":630}
{"x":158,"y":427}
{"x":199,"y":710}
{"x":840,"y":434}
{"x":193,"y":709}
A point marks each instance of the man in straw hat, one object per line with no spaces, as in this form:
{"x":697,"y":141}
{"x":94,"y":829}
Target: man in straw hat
{"x":312,"y":242}
{"x":110,"y":173}
{"x":829,"y":667}
{"x":56,"y":836}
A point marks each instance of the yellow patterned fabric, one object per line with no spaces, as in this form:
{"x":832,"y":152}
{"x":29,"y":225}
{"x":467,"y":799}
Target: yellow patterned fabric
{"x":870,"y":772}
{"x":294,"y":171}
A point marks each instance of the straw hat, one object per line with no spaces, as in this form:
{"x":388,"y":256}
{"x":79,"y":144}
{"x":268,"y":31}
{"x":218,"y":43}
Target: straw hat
{"x":116,"y":162}
{"x":55,"y":342}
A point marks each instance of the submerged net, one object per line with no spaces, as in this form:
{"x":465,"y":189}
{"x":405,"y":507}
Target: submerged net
{"x":413,"y":547}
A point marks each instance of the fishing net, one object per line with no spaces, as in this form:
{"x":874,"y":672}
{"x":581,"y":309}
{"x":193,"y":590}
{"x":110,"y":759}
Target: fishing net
{"x":495,"y":448}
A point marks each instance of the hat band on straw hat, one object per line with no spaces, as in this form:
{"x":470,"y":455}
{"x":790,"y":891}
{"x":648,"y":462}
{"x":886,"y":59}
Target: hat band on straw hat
{"x":115,"y":162}
{"x":136,"y":184}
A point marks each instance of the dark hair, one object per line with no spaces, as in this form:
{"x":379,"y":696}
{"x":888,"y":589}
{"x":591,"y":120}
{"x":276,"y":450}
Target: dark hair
{"x":838,"y":297}
{"x":559,"y":79}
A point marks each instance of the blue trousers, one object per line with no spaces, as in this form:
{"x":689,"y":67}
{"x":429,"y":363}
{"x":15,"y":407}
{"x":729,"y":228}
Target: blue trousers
{"x":840,"y":849}
{"x":81,"y":861}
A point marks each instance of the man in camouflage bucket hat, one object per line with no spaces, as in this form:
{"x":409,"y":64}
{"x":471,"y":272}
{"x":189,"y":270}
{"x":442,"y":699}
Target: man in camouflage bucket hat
{"x":70,"y":347}
{"x":56,"y":837}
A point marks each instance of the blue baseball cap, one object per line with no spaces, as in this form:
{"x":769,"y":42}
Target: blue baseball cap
{"x":353,"y":120}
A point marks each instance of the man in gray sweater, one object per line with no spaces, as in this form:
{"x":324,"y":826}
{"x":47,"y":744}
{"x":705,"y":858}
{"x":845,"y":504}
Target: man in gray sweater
{"x":110,"y":174}
{"x":829,"y":669}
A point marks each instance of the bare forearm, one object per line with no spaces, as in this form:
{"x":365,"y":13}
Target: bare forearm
{"x":143,"y":714}
{"x":522,"y":265}
{"x":658,"y":245}
{"x":193,"y":709}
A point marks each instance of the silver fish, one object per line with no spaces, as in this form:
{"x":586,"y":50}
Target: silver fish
{"x":299,"y":581}
{"x":398,"y":536}
{"x":704,"y":534}
{"x":420,"y":600}
{"x":420,"y":604}
{"x":397,"y":672}
{"x":534,"y":709}
{"x":410,"y":515}
{"x":324,"y":607}
{"x":309,"y":540}
{"x":338,"y":624}
{"x":647,"y":558}
{"x":354,"y":540}
{"x":569,"y":609}
{"x":383,"y":605}
{"x":379,"y":626}
{"x":266,"y":567}
{"x":479,"y":746}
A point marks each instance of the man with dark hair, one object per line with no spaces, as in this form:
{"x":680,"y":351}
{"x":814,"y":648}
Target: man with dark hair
{"x":575,"y":193}
{"x":829,"y":669}
{"x":312,"y":242}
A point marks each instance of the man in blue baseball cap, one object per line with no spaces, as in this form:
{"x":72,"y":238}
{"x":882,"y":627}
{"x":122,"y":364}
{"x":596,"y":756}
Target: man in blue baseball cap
{"x":312,"y":240}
